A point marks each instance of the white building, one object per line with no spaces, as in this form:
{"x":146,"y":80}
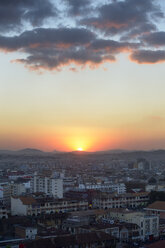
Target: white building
{"x":118,"y":188}
{"x":149,"y":224}
{"x":49,"y":185}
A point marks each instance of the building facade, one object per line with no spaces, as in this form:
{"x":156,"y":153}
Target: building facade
{"x":149,"y":224}
{"x":49,"y":185}
{"x":119,"y":188}
{"x":133,"y":200}
{"x":3,"y":212}
{"x":31,"y":206}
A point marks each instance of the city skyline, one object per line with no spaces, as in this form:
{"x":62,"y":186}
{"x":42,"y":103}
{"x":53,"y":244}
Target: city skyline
{"x":82,"y":75}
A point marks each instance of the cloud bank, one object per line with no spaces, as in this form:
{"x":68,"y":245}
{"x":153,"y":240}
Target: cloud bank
{"x":50,"y":35}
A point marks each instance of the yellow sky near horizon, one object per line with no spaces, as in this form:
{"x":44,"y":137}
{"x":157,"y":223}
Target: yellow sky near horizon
{"x":120,"y":107}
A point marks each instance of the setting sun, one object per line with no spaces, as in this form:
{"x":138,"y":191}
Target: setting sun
{"x":80,"y":149}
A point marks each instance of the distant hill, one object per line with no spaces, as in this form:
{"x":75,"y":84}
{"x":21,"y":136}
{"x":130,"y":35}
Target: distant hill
{"x":30,"y":151}
{"x":113,"y":152}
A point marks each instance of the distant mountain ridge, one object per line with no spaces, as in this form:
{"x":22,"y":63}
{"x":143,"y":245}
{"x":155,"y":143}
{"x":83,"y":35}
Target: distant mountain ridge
{"x":34,"y":151}
{"x":30,"y":151}
{"x":26,"y":151}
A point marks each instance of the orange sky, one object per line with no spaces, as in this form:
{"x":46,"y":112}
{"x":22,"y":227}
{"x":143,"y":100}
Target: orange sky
{"x":92,"y":109}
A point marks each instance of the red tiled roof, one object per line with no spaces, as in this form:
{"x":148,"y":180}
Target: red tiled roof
{"x":158,"y":244}
{"x":158,"y":205}
{"x":27,"y":200}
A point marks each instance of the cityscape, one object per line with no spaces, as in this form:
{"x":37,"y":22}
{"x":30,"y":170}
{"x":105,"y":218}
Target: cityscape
{"x":82,"y":124}
{"x":81,"y":199}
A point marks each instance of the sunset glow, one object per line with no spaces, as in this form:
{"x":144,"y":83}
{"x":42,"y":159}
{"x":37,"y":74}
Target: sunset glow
{"x":89,"y":85}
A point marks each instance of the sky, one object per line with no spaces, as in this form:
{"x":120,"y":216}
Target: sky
{"x":82,"y":74}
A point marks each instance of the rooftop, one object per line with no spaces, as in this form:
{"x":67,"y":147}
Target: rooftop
{"x":70,"y":240}
{"x":158,"y":244}
{"x":158,"y":205}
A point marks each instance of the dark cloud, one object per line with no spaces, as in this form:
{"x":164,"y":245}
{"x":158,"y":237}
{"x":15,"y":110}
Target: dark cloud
{"x":112,"y":46}
{"x":136,"y":32}
{"x":47,"y":37}
{"x":54,"y":48}
{"x":148,"y":56}
{"x":155,"y":39}
{"x":77,"y":7}
{"x":55,"y":59}
{"x":92,"y":43}
{"x":13,"y":13}
{"x":125,"y":16}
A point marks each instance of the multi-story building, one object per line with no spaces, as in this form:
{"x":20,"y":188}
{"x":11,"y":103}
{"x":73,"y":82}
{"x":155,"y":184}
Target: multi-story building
{"x":31,"y":205}
{"x":149,"y":224}
{"x":105,"y":201}
{"x":11,"y":188}
{"x":158,"y":208}
{"x":52,"y":186}
{"x":5,"y":193}
{"x":122,"y":231}
{"x":3,"y":212}
{"x":119,"y":188}
{"x":17,"y":189}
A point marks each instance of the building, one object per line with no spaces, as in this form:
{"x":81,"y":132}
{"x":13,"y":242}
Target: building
{"x":121,"y":231}
{"x":157,"y":208}
{"x":158,"y":244}
{"x":143,"y":164}
{"x":17,"y":189}
{"x":20,"y":186}
{"x":93,"y":239}
{"x":5,"y":194}
{"x":50,"y":185}
{"x":35,"y":205}
{"x":128,"y":200}
{"x":25,"y":232}
{"x":3,"y":212}
{"x":119,"y":188}
{"x":149,"y":224}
